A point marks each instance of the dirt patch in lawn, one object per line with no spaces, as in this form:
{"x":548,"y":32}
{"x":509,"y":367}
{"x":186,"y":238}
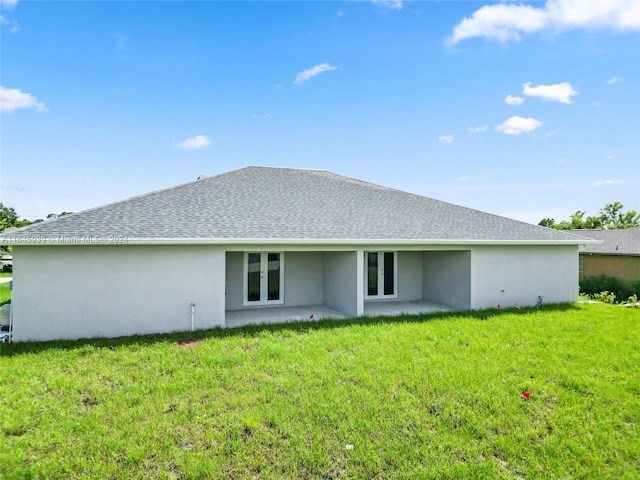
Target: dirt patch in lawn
{"x":189,"y":344}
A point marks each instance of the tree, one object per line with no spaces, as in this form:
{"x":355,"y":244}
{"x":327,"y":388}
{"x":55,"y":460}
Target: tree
{"x":22,"y":223}
{"x":547,"y":222}
{"x":614,"y":218}
{"x":57,"y":215}
{"x":611,"y":217}
{"x":8,"y":217}
{"x":578,"y":222}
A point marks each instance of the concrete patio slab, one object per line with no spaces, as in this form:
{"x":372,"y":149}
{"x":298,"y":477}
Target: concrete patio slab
{"x":270,"y":315}
{"x":254,"y":316}
{"x":375,"y":309}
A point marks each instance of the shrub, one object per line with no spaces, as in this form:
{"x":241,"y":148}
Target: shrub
{"x":605,"y":297}
{"x":635,"y":287}
{"x":593,"y":285}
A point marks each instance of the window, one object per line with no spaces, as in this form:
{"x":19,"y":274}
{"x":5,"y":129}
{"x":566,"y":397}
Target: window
{"x":580,"y":264}
{"x":381,"y":273}
{"x":263,"y":278}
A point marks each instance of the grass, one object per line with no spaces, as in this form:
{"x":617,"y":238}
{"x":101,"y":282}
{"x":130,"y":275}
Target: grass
{"x":5,"y":293}
{"x":414,"y":397}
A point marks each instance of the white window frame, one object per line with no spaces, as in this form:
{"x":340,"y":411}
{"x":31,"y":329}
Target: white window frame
{"x":380,"y":275}
{"x":264,"y":280}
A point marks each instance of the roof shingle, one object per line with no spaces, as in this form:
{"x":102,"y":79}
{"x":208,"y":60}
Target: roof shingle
{"x":614,"y":242}
{"x":266,"y":203}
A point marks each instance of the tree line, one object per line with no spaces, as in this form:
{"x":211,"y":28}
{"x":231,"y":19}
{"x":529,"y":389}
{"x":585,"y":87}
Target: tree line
{"x":9,"y":218}
{"x":611,"y":217}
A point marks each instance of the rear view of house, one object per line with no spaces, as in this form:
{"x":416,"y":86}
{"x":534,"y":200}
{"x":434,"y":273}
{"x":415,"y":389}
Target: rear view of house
{"x":264,"y":244}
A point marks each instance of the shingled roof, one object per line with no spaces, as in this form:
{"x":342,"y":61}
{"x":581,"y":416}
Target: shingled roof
{"x":614,"y":242}
{"x":255,"y":204}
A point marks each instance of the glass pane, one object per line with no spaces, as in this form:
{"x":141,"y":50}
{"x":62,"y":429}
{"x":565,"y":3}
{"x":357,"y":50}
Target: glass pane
{"x":372,"y":273}
{"x":253,"y":277}
{"x":388,"y":273}
{"x":273,"y":289}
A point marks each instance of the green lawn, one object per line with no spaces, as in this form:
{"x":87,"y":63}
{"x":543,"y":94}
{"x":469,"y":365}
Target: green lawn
{"x":5,"y":293}
{"x":430,"y":397}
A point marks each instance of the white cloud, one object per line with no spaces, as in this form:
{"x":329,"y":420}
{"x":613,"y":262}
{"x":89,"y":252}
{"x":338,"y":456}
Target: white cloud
{"x":517,"y":125}
{"x":609,"y":157}
{"x":8,"y":4}
{"x":597,"y":103}
{"x":559,"y":92}
{"x":511,"y":100}
{"x":613,"y":80}
{"x":480,"y":129}
{"x":312,"y":72}
{"x":609,"y":182}
{"x":193,"y":143}
{"x":15,"y":26}
{"x":388,"y":4}
{"x":504,"y":22}
{"x":121,"y":40}
{"x":12,"y":99}
{"x":446,"y":139}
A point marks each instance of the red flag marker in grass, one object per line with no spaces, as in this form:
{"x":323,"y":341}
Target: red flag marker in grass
{"x":526,"y":395}
{"x":311,"y":317}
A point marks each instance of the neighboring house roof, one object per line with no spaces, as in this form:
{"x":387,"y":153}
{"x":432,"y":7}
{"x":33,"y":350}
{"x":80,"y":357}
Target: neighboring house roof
{"x":285,"y":205}
{"x":614,"y":242}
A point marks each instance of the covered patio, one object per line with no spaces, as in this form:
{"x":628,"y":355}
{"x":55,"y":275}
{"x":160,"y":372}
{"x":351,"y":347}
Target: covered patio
{"x":314,"y":285}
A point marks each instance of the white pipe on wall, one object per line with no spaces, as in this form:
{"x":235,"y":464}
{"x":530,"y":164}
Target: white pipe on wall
{"x":193,"y":315}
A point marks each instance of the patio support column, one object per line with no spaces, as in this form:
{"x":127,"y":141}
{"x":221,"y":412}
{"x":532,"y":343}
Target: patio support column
{"x":360,"y":282}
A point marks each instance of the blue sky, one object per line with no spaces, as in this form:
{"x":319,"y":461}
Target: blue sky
{"x":526,"y":110}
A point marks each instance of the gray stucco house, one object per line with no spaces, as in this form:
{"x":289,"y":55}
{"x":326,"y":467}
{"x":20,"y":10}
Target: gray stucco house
{"x":262,"y":244}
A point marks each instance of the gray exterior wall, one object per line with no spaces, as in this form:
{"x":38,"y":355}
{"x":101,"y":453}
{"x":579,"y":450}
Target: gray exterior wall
{"x":303,"y":284}
{"x":340,"y":282}
{"x":517,"y":275}
{"x":447,"y":278}
{"x":92,"y":291}
{"x":410,"y":276}
{"x":234,"y":273}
